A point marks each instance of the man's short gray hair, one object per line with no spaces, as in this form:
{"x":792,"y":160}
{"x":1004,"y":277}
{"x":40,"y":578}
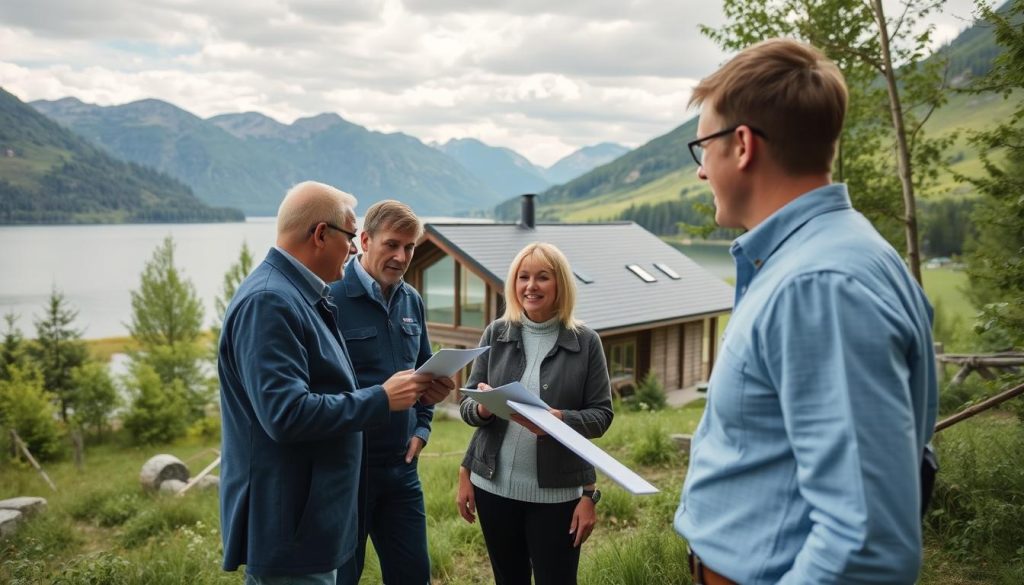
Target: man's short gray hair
{"x":310,"y":203}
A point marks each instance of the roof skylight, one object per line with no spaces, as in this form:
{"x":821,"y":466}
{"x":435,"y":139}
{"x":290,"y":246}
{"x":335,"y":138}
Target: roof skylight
{"x":640,"y":272}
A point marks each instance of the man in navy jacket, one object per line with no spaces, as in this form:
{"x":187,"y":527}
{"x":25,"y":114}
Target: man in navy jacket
{"x":293,"y":412}
{"x":382,"y":321}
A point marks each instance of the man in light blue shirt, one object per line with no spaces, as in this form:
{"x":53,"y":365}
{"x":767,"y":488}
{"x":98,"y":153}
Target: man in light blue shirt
{"x":805,"y":466}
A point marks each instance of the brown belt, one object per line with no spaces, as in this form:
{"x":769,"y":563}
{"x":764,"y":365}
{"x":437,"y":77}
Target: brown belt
{"x":703,"y":575}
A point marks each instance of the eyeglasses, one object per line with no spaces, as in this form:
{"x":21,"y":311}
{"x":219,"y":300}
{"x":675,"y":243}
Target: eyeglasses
{"x":351,"y":235}
{"x":697,"y":150}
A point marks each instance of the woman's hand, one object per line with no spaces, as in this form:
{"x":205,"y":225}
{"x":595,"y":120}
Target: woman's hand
{"x":583,"y":520}
{"x":480,"y":408}
{"x":532,"y":427}
{"x":465,"y":499}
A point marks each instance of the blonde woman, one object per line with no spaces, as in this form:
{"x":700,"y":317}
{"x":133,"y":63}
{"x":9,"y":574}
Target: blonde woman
{"x":527,"y":488}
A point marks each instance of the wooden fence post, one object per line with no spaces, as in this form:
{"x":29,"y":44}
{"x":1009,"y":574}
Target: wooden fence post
{"x":31,"y":459}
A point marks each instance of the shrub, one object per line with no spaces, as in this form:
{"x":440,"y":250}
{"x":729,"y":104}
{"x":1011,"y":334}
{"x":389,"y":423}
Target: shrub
{"x":159,"y":411}
{"x":642,"y":558}
{"x":650,"y":394}
{"x":26,"y":407}
{"x":977,"y":511}
{"x":654,"y":447}
{"x":108,"y":506}
{"x":167,"y":515}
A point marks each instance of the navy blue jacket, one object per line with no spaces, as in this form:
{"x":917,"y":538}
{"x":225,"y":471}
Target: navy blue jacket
{"x":292,"y":416}
{"x":383,"y":342}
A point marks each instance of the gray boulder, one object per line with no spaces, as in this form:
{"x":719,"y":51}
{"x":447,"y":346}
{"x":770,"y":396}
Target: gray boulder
{"x":209,"y":482}
{"x":28,"y":506}
{"x":9,"y":520}
{"x":161,"y":468}
{"x":171,"y":486}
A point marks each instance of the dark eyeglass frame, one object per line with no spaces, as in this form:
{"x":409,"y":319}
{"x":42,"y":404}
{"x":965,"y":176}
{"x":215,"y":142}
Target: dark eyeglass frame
{"x":351,"y":235}
{"x":719,"y":134}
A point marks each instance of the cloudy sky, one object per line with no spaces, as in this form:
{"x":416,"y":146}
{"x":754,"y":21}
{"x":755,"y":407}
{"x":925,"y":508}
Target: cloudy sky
{"x":543,"y":77}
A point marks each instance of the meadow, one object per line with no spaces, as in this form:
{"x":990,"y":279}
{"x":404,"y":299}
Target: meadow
{"x":102,"y":528}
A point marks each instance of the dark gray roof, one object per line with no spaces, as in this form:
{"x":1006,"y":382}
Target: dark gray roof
{"x":601,"y":251}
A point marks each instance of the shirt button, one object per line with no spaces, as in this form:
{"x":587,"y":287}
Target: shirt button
{"x":545,"y":386}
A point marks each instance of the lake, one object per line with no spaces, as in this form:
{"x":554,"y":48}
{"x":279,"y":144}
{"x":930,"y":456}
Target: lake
{"x":97,"y":266}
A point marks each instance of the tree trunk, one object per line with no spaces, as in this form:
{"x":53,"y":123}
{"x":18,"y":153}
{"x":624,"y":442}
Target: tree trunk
{"x":902,"y":150}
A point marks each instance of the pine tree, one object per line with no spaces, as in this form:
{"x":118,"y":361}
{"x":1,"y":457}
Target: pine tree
{"x":167,"y":318}
{"x":232,"y":279}
{"x":12,"y":348}
{"x":58,"y":349}
{"x":26,"y":407}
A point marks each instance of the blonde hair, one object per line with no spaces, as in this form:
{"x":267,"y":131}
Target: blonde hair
{"x":790,"y":91}
{"x":310,"y":203}
{"x":391,"y":214}
{"x":565,"y":299}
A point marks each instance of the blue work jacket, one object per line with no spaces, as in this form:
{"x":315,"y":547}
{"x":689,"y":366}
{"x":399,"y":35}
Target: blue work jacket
{"x":382,"y":341}
{"x":293,"y":416}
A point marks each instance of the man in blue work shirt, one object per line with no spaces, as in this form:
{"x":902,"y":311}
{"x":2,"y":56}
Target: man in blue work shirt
{"x":805,"y":465}
{"x":382,"y":321}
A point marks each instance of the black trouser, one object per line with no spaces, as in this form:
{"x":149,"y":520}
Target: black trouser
{"x":521,"y":535}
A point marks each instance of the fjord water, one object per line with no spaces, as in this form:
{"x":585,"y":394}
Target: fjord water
{"x":97,"y":266}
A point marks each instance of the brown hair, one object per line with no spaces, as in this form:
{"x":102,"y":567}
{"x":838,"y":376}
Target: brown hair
{"x":391,"y":214}
{"x":788,"y":90}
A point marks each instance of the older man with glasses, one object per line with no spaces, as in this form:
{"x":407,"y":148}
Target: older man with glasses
{"x":293,"y":412}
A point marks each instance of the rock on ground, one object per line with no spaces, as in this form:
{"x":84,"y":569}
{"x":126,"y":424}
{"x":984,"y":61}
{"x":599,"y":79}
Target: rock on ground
{"x":161,"y":468}
{"x":26,"y":505}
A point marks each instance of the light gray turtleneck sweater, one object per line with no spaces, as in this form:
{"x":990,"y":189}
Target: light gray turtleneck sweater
{"x":516,"y":474}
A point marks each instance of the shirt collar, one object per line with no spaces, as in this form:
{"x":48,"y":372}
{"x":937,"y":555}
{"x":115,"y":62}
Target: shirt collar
{"x":370,"y":284}
{"x":316,"y":283}
{"x":757,"y":245}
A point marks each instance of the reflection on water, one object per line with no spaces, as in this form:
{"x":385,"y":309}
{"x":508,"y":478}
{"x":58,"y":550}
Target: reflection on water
{"x":97,"y":266}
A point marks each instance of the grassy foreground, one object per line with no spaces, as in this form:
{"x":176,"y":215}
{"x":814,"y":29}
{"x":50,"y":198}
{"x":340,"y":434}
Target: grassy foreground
{"x":101,"y":528}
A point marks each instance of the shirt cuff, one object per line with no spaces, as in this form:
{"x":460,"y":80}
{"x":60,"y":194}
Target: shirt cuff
{"x":423,"y":433}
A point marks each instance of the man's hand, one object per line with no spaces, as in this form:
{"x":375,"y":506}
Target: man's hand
{"x":404,"y":389}
{"x":416,"y":445}
{"x":465,"y":499}
{"x":532,"y":427}
{"x":439,"y":389}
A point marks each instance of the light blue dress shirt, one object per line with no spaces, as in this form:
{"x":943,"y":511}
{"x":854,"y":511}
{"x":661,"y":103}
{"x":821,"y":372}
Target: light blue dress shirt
{"x":805,"y":466}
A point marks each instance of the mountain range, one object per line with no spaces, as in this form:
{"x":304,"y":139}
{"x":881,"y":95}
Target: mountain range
{"x":50,"y":175}
{"x":247,"y":161}
{"x":508,"y":173}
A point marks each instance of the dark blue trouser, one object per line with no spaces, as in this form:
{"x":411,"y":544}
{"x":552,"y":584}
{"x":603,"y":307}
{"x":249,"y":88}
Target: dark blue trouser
{"x":397,"y":522}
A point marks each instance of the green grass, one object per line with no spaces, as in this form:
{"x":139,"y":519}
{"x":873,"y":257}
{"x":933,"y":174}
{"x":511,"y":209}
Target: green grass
{"x":101,"y":528}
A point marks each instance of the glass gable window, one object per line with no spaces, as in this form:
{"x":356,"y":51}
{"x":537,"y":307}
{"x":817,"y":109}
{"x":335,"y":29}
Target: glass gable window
{"x":439,"y":291}
{"x":472,"y":301}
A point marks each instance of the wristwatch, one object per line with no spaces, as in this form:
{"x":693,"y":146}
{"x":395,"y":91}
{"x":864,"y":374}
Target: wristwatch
{"x":594,"y":495}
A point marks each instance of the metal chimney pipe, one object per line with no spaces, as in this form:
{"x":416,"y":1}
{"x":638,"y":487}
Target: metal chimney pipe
{"x":527,"y":220}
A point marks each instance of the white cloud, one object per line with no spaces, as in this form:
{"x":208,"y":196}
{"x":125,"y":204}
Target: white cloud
{"x":537,"y":76}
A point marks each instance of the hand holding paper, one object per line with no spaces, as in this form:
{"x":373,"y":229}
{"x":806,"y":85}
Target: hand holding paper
{"x":496,"y":399}
{"x":447,"y":362}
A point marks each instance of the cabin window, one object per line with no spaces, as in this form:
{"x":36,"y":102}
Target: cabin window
{"x":622,"y":358}
{"x":439,"y":291}
{"x":472,"y":299}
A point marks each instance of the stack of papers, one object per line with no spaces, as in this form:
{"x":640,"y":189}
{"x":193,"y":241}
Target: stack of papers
{"x":515,"y":398}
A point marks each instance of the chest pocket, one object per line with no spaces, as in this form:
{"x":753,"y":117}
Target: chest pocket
{"x":411,"y":340}
{"x":362,"y":343}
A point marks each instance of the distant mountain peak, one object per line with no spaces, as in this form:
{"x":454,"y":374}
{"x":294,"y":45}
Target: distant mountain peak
{"x":249,"y":124}
{"x":583,"y":161}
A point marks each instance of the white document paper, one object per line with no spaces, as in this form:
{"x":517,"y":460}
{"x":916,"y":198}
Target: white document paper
{"x":580,"y":445}
{"x":447,"y":362}
{"x":496,"y":400}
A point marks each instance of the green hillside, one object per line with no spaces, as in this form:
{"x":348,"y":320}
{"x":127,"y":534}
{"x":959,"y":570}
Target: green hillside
{"x":50,"y":175}
{"x":661,"y":170}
